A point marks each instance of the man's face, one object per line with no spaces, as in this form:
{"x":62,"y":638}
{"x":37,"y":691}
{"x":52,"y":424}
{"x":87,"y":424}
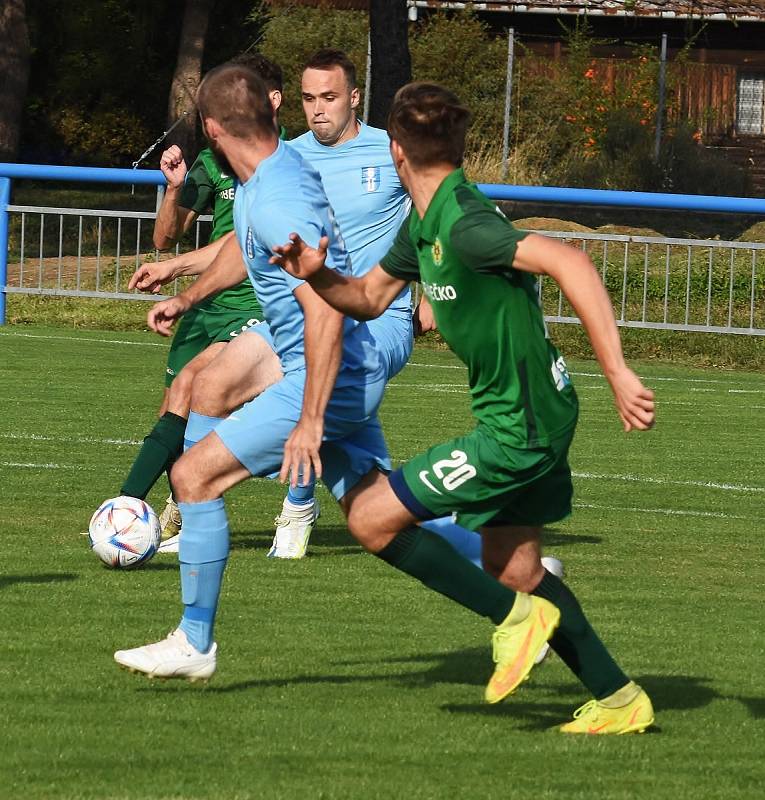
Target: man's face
{"x":329,"y":105}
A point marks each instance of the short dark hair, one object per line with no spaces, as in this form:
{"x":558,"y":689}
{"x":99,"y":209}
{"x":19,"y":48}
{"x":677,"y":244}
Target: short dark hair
{"x":429,"y":123}
{"x":326,"y":58}
{"x":269,"y":73}
{"x":237,"y":98}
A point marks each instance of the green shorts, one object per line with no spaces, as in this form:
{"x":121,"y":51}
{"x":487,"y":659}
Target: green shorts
{"x":200,"y":328}
{"x":487,"y":483}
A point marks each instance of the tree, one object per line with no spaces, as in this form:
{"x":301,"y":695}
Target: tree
{"x":14,"y":68}
{"x":391,"y":63}
{"x":188,"y":71}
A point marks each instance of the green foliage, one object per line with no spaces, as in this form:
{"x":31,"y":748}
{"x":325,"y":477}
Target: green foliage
{"x":459,"y":52}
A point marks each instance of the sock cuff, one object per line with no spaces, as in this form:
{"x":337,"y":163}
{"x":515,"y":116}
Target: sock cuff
{"x":173,"y":419}
{"x":549,"y":587}
{"x":400,"y":546}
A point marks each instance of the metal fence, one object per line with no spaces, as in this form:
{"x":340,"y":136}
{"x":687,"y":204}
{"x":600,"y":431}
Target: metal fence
{"x":76,"y":252}
{"x":673,"y":284}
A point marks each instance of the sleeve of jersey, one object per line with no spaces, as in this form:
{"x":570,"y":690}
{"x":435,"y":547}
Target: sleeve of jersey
{"x":198,"y":192}
{"x":401,"y":260}
{"x":485,"y":241}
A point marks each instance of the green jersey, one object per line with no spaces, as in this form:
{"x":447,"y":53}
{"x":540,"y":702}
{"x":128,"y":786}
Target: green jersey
{"x":488,"y":313}
{"x":208,"y":187}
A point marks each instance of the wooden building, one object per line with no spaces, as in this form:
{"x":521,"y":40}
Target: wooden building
{"x":722,"y":86}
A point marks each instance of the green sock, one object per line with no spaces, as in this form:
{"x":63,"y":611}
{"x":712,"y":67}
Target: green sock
{"x":159,"y":450}
{"x":577,"y":644}
{"x":434,"y":562}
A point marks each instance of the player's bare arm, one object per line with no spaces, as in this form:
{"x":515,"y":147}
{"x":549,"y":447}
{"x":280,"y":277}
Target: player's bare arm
{"x":153,"y":276}
{"x":323,"y":343}
{"x":224,"y":272}
{"x":361,"y":298}
{"x":576,"y":275}
{"x":173,"y":220}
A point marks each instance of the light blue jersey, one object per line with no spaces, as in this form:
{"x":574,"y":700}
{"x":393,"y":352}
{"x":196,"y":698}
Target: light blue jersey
{"x":366,"y":194}
{"x":285,"y":195}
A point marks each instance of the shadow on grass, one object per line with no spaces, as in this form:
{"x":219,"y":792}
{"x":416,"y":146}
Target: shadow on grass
{"x":51,"y":577}
{"x":552,"y":537}
{"x":667,"y":693}
{"x":325,"y":542}
{"x":339,"y":541}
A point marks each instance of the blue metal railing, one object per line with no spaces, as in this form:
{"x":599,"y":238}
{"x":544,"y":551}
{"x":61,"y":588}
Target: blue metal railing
{"x":533,"y":194}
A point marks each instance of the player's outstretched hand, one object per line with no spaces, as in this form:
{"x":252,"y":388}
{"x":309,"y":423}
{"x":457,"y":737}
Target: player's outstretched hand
{"x":163,"y":315}
{"x":300,"y":260}
{"x":634,"y":401}
{"x":173,"y":166}
{"x":152,"y":277}
{"x":301,"y":451}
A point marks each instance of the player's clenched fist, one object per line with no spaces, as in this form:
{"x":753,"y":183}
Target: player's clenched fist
{"x":634,"y":401}
{"x":173,"y":166}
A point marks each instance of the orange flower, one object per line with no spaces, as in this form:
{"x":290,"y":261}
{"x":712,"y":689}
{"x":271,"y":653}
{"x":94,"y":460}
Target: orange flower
{"x":569,"y":118}
{"x":643,"y":121}
{"x":590,"y":73}
{"x":600,"y":108}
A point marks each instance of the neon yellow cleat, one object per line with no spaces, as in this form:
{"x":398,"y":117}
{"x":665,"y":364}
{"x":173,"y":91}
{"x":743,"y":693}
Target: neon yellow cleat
{"x":627,"y":711}
{"x":518,"y":642}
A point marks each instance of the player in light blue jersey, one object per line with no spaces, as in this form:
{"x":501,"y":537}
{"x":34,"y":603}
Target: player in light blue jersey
{"x":332,"y":382}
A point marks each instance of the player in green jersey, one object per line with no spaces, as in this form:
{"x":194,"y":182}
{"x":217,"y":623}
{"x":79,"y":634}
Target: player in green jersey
{"x":510,"y":475}
{"x":203,"y":333}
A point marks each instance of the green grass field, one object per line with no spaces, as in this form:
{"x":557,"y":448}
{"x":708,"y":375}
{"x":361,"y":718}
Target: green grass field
{"x":340,"y":678}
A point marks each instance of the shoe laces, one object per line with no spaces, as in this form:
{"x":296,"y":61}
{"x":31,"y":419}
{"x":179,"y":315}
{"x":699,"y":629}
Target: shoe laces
{"x":587,"y":709}
{"x":498,"y":639}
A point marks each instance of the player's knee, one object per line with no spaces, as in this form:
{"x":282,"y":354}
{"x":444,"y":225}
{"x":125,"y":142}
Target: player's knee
{"x":363,"y":527}
{"x":185,"y":479}
{"x":522,"y":575}
{"x":208,"y":395}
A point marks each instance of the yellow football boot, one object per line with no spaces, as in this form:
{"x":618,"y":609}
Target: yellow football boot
{"x":517,"y":642}
{"x":627,"y":711}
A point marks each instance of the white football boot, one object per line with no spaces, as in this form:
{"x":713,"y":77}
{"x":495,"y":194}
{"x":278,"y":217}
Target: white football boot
{"x":293,"y":529}
{"x":173,"y":657}
{"x":554,"y":565}
{"x":170,"y":545}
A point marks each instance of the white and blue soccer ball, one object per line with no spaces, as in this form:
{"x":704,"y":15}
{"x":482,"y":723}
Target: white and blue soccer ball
{"x":124,"y":532}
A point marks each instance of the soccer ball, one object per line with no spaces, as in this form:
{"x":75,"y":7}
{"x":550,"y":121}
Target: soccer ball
{"x":124,"y":532}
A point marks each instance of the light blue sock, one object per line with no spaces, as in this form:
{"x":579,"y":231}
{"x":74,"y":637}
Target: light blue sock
{"x":197,"y":427}
{"x":202,"y":552}
{"x":466,"y":543}
{"x":302,"y":495}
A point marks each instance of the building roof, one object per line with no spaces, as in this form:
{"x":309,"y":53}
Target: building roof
{"x":740,"y":10}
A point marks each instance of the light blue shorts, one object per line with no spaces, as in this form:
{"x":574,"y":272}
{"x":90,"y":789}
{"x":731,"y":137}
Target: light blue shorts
{"x":353,"y":440}
{"x":392,"y":331}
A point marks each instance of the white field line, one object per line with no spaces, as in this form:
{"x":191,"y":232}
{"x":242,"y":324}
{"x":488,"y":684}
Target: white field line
{"x":725,"y":487}
{"x":19,"y":465}
{"x":71,"y":439}
{"x":84,"y":339}
{"x":669,"y":511}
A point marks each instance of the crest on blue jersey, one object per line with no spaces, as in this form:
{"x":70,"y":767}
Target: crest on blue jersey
{"x":370,"y":178}
{"x":250,"y":244}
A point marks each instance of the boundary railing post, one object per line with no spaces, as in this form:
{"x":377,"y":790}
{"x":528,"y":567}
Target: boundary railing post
{"x":5,"y":197}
